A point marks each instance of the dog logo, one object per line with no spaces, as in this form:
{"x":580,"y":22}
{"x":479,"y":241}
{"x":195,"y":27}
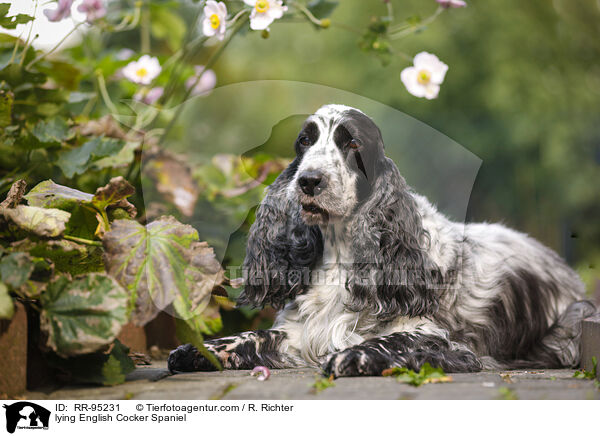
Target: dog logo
{"x":26,"y":415}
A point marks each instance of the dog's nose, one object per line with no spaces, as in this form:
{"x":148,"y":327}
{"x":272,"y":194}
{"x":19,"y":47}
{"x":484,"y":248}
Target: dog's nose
{"x":312,"y":182}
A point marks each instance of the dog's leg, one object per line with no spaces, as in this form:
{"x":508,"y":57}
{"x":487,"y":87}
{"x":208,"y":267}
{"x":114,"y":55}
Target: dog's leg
{"x":244,"y":351}
{"x":409,"y":350}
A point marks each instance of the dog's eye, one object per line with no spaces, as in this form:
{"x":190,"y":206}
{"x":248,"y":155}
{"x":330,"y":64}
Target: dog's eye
{"x":353,"y":144}
{"x":304,"y":141}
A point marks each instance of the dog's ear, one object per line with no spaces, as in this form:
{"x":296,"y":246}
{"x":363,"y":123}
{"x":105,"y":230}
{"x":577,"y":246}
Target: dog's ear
{"x":392,"y":274}
{"x":281,"y":248}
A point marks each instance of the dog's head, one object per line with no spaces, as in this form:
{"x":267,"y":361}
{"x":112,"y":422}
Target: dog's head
{"x":338,"y":151}
{"x":341,"y":173}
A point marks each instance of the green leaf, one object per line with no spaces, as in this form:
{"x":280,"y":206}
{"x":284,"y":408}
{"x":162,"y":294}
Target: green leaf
{"x":78,"y":97}
{"x":12,"y":22}
{"x":120,"y":159}
{"x":6,"y":103}
{"x":88,"y":211}
{"x":106,"y":369}
{"x":15,"y":269}
{"x":507,"y":394}
{"x":590,"y":375}
{"x":322,"y":8}
{"x":43,"y":222}
{"x":189,"y":332}
{"x":322,"y":383}
{"x":67,"y":256}
{"x":50,"y":194}
{"x":15,"y":75}
{"x":427,"y":374}
{"x":64,"y":74}
{"x":52,"y":131}
{"x":84,"y":223}
{"x":83,"y":315}
{"x":160,"y":264}
{"x":78,"y":160}
{"x":7,"y":307}
{"x":117,"y":190}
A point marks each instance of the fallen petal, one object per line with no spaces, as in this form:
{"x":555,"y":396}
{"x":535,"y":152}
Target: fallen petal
{"x":262,"y":372}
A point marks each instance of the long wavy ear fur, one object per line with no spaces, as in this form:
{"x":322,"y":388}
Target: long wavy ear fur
{"x":392,"y":274}
{"x":281,"y":248}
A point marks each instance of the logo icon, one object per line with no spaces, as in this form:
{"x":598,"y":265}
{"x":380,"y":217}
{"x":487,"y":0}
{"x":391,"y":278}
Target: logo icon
{"x":26,"y":415}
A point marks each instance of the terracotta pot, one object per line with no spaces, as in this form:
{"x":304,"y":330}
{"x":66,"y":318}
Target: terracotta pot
{"x":13,"y":354}
{"x":134,"y":337}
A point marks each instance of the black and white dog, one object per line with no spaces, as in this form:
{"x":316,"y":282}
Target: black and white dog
{"x":368,"y":275}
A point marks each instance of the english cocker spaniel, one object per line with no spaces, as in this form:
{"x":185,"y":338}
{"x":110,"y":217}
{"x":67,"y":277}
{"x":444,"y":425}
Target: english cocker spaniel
{"x":368,"y":275}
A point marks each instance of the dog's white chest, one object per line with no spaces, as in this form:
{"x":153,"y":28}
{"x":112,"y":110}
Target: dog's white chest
{"x":320,"y":323}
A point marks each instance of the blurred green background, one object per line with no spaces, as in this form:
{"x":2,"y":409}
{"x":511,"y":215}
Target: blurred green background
{"x":513,"y":136}
{"x":522,"y":93}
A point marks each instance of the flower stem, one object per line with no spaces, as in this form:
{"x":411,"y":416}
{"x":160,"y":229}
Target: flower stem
{"x":236,"y":17}
{"x":43,"y":55}
{"x":145,"y":30}
{"x":182,"y":57}
{"x":83,"y":241}
{"x":306,"y":12}
{"x":128,"y":22}
{"x":390,"y":10}
{"x":28,"y":35}
{"x":412,"y":29}
{"x":211,"y":61}
{"x":14,"y":53}
{"x":104,"y":93}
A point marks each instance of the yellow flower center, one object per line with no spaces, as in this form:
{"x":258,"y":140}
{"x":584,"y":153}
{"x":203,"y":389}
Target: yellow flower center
{"x":215,"y":21}
{"x":142,"y":72}
{"x":261,"y":6}
{"x":423,"y":77}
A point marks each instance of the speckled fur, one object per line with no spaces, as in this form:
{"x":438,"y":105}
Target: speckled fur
{"x":384,"y":279}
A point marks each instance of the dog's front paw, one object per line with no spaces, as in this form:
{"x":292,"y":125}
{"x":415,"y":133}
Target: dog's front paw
{"x":353,"y":362}
{"x":345,"y":363}
{"x":186,"y":358}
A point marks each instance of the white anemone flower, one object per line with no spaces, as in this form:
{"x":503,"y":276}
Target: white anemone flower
{"x":426,"y":75}
{"x":142,"y":71}
{"x":214,"y":22}
{"x":264,"y":12}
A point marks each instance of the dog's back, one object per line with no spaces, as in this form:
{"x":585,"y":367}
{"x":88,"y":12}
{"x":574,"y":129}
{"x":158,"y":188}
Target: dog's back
{"x":513,"y":299}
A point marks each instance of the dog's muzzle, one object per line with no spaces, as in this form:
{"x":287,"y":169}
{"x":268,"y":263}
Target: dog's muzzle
{"x":312,"y":182}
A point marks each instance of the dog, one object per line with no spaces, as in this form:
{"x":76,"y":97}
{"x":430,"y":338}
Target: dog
{"x":368,"y":275}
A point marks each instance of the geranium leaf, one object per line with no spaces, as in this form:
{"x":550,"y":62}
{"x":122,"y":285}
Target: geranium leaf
{"x":52,"y":131}
{"x":15,"y":269}
{"x":7,"y":307}
{"x":67,"y":256}
{"x":114,"y":193}
{"x":6,"y":102}
{"x":160,"y":264}
{"x":173,"y":180}
{"x":83,"y":315}
{"x":80,"y":159}
{"x":49,"y":194}
{"x":43,"y":222}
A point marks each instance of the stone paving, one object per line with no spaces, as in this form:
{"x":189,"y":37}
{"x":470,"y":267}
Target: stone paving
{"x":155,"y":382}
